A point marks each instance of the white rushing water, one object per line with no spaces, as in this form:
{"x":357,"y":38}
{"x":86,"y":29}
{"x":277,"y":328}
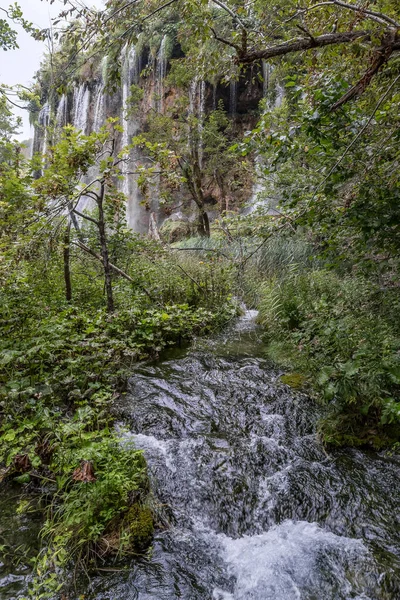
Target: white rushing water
{"x":62,"y":111}
{"x":161,"y":71}
{"x":130,"y":76}
{"x":99,"y":109}
{"x":254,"y":507}
{"x":284,"y":562}
{"x":81,"y":108}
{"x":44,"y":122}
{"x":266,"y":75}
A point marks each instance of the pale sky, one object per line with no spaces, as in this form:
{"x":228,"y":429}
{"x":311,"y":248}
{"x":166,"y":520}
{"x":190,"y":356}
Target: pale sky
{"x":19,"y":66}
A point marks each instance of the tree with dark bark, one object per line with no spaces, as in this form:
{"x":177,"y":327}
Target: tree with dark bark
{"x":79,"y":187}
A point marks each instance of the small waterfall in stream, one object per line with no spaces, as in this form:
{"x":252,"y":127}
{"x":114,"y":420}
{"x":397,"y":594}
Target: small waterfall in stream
{"x":257,"y":509}
{"x":253,"y":506}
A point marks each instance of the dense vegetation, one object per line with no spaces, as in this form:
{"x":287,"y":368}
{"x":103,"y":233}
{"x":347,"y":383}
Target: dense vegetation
{"x":82,"y":298}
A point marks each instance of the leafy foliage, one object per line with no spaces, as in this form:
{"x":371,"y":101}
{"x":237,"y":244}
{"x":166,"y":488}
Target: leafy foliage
{"x":342,"y":334}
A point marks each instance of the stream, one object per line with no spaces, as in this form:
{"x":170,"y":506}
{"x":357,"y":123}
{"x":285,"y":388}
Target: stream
{"x":256,"y":508}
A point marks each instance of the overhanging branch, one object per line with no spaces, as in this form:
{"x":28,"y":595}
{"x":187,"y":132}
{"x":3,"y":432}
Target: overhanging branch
{"x":299,"y":44}
{"x":381,"y":57}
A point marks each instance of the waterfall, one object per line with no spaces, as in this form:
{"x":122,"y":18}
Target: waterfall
{"x":130,"y":75}
{"x":192,"y":96}
{"x":265,"y":73}
{"x":99,"y":110}
{"x":202,"y":100}
{"x":100,"y":104}
{"x":44,"y":122}
{"x":280,"y":93}
{"x":80,"y":121}
{"x":197,"y":95}
{"x":233,"y":98}
{"x":104,"y":65}
{"x":62,"y":114}
{"x":161,"y":73}
{"x":81,"y":108}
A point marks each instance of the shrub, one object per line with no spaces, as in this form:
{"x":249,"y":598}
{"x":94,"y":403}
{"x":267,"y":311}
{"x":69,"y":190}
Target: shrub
{"x":340,"y":331}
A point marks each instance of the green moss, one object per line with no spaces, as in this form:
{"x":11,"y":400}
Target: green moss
{"x":175,"y":231}
{"x":141,"y":526}
{"x":294,"y":380}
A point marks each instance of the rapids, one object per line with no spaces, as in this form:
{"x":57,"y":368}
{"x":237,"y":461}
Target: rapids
{"x":253,"y":507}
{"x":257,"y":509}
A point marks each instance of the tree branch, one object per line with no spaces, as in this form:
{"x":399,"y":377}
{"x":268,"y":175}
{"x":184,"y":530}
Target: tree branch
{"x":230,"y":12}
{"x":83,"y":246}
{"x":226,"y":42}
{"x":83,"y":216}
{"x":359,"y":134}
{"x":380,"y":58}
{"x":299,"y":44}
{"x":371,"y":13}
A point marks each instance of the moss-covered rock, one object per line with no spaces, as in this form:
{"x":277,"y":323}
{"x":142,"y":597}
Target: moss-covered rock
{"x":141,"y":526}
{"x":175,"y":230}
{"x":293,"y":380}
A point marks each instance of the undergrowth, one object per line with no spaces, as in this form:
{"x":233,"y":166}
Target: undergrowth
{"x":341,"y":332}
{"x":61,"y":367}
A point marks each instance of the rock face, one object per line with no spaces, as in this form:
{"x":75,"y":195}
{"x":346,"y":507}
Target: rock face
{"x":88,"y":104}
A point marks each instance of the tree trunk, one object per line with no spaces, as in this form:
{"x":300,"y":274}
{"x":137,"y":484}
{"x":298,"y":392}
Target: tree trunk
{"x":203,"y":224}
{"x":67,"y":266}
{"x":104,"y":252}
{"x":193,"y":178}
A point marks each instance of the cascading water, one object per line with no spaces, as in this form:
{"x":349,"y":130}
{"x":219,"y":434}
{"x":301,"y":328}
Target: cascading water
{"x":257,"y":509}
{"x":214,"y":96}
{"x":161,"y":72}
{"x":269,"y":205}
{"x":62,"y":112}
{"x":100,"y":104}
{"x":202,"y":100}
{"x":99,"y":109}
{"x":80,"y":120}
{"x":81,"y":108}
{"x":252,"y":505}
{"x":130,"y":76}
{"x":280,"y":94}
{"x":265,"y":74}
{"x":44,"y":122}
{"x":197,"y":98}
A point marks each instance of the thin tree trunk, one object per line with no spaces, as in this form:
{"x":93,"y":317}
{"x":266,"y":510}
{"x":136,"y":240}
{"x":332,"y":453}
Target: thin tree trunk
{"x":67,"y":266}
{"x":204,"y":224}
{"x":193,"y":178}
{"x":104,"y":252}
